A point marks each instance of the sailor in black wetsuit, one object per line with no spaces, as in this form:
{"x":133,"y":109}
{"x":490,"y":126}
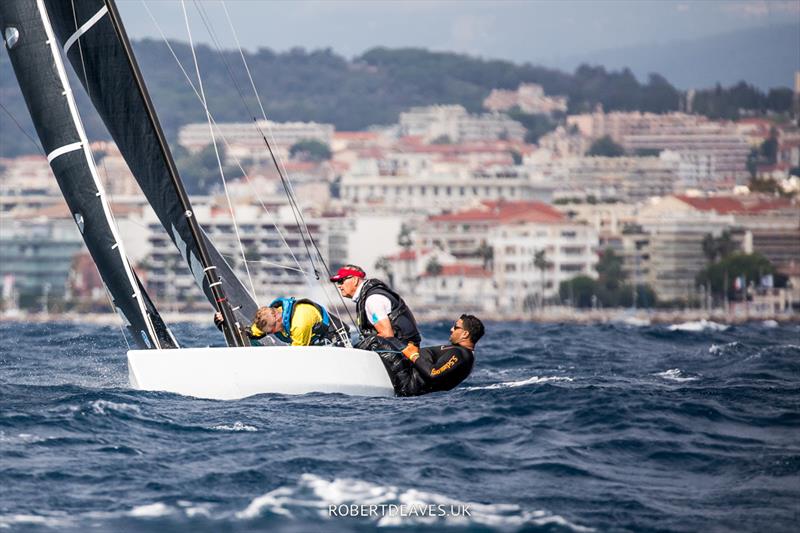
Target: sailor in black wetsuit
{"x":436,"y":368}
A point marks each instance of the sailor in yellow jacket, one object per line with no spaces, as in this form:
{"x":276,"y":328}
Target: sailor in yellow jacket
{"x":297,"y":322}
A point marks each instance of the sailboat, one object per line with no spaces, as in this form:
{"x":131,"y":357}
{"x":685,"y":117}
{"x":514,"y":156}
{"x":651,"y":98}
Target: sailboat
{"x":91,"y":36}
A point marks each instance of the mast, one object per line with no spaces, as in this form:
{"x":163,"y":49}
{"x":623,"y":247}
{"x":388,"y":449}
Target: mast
{"x":230,"y":326}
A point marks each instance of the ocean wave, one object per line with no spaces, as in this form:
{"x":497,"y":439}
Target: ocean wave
{"x":770,"y":323}
{"x":675,"y":374}
{"x":388,"y":505}
{"x":698,"y":325}
{"x":719,"y":349}
{"x":106,"y":407}
{"x":151,"y":510}
{"x":521,"y":383}
{"x":635,"y":321}
{"x":9,"y":521}
{"x":237,"y":426}
{"x":20,"y":438}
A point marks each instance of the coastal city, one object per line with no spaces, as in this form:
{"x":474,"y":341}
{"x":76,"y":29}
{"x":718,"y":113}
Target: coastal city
{"x":455,"y":210}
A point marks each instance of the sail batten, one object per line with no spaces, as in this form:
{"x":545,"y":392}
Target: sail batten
{"x":125,"y":113}
{"x":40,"y":71}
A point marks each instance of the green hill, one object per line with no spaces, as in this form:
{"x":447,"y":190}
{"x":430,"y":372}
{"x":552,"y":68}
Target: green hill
{"x":371,"y":89}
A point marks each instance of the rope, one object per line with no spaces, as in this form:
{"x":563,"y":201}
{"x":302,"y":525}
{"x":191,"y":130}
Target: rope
{"x":281,"y":168}
{"x":216,"y":151}
{"x":254,"y":189}
{"x":14,"y":120}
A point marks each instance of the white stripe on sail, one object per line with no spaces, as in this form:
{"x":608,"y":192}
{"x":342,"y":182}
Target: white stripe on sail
{"x":84,"y":144}
{"x":84,"y":28}
{"x":67,"y":148}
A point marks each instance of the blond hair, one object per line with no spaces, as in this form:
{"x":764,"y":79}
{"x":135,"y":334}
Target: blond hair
{"x":265,"y":319}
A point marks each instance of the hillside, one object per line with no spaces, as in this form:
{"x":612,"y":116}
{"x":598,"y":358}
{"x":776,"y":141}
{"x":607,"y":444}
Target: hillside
{"x":371,"y":89}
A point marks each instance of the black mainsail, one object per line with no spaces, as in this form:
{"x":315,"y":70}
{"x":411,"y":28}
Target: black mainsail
{"x":40,"y":71}
{"x":96,"y":45}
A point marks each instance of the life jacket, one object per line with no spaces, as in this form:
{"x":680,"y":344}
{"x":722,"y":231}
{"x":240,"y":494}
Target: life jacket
{"x":323,"y":332}
{"x":401,"y":318}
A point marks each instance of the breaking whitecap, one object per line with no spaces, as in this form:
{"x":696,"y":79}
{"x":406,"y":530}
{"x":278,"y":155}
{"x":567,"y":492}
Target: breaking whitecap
{"x":521,"y":383}
{"x":388,"y":505}
{"x":698,"y":325}
{"x":675,"y":374}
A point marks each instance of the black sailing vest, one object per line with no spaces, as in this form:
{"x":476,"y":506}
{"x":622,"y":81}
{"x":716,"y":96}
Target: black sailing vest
{"x":402,"y":319}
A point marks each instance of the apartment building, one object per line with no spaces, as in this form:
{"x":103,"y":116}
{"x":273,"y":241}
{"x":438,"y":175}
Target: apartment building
{"x":629,"y":179}
{"x":36,"y":252}
{"x":570,"y":249}
{"x":273,"y":246}
{"x":245,"y":141}
{"x":453,"y":123}
{"x":528,"y":98}
{"x":693,"y":136}
{"x":437,"y":191}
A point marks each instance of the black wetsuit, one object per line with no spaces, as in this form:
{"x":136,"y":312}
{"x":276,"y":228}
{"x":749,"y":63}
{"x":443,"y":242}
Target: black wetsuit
{"x":438,"y":368}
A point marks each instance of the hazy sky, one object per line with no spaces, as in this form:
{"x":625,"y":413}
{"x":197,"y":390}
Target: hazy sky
{"x":545,"y":32}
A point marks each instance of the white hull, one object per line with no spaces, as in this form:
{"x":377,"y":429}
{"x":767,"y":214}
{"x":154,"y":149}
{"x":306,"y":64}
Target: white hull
{"x":233,"y":373}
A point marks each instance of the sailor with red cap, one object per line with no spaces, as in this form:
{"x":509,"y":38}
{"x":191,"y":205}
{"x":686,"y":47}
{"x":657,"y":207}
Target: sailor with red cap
{"x":379,"y":309}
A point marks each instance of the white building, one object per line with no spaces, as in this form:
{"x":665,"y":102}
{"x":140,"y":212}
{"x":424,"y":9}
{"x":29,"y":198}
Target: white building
{"x":245,"y":139}
{"x":273,"y":247}
{"x":529,"y":98}
{"x":569,"y":250}
{"x":620,"y":178}
{"x":455,"y":124}
{"x":435,"y":191}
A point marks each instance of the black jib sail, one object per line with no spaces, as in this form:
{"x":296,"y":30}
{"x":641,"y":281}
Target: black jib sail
{"x":97,"y":54}
{"x":40,"y":71}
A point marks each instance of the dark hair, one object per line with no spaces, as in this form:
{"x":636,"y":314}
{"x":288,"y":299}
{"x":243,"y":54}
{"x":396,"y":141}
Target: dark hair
{"x":473,"y":326}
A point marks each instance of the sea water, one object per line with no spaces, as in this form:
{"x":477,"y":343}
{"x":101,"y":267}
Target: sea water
{"x":615,"y":427}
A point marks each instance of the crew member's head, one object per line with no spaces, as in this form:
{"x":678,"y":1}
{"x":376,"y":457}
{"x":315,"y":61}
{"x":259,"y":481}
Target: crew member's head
{"x":466,"y":331}
{"x":268,"y":319}
{"x":347,"y":279}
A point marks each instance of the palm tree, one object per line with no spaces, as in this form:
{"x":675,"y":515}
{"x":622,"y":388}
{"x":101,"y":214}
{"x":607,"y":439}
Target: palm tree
{"x":405,"y":242}
{"x":542,"y":264}
{"x":385,"y":266}
{"x":433,"y":268}
{"x":486,"y":253}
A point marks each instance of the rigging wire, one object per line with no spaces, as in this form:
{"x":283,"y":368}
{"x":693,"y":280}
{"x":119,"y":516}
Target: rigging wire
{"x":302,"y":227}
{"x":280,"y":167}
{"x":221,"y":134}
{"x":80,"y":50}
{"x":216,"y":151}
{"x":293,"y":206}
{"x":14,"y":120}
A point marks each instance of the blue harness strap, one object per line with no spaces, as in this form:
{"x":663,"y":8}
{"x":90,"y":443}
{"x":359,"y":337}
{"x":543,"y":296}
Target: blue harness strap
{"x":287,"y":305}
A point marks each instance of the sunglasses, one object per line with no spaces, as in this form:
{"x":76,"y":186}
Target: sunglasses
{"x":455,"y":326}
{"x":341,"y":281}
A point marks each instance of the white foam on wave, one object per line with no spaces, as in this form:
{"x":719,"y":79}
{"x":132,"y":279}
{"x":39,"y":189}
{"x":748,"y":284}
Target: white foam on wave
{"x":237,"y":426}
{"x":151,"y":510}
{"x":675,"y":374}
{"x":321,"y":495}
{"x":699,"y":325}
{"x":717,"y":349}
{"x":635,"y":321}
{"x":104,"y":407}
{"x":20,"y":438}
{"x":521,"y":383}
{"x":8,"y":521}
{"x":770,"y":324}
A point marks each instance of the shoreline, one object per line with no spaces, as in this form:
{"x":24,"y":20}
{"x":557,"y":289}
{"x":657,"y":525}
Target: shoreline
{"x":554,"y":315}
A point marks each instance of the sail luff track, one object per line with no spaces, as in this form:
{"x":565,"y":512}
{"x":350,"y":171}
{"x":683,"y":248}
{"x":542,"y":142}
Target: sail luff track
{"x":40,"y":71}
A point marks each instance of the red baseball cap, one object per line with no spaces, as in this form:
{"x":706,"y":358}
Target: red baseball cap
{"x":345,"y":272}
